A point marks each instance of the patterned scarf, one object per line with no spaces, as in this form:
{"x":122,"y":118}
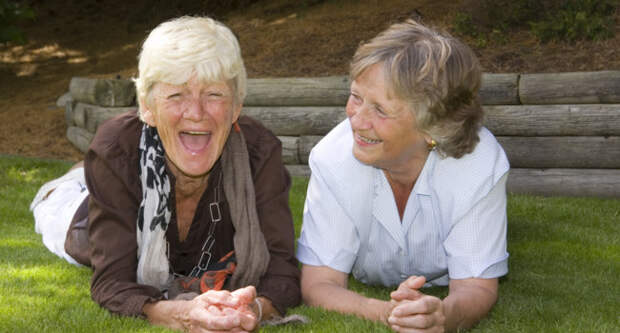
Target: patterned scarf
{"x":153,"y":265}
{"x":154,"y":213}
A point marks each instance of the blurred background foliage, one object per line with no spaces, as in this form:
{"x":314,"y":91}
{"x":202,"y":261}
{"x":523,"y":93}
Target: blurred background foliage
{"x":11,"y":14}
{"x":547,"y":20}
{"x":484,"y":20}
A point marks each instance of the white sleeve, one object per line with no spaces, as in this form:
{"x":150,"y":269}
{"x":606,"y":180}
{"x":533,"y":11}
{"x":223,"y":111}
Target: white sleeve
{"x":476,"y":245}
{"x":328,"y":235}
{"x":53,"y":214}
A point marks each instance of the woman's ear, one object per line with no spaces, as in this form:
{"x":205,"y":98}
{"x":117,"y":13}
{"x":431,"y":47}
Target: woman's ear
{"x":427,"y":138}
{"x":236,"y":111}
{"x":146,"y":113}
{"x":430,"y":142}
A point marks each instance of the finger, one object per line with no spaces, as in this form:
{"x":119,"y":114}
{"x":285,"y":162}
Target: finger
{"x":245,"y":295}
{"x":213,"y":319}
{"x":408,"y":289}
{"x":247,"y":318}
{"x":220,"y":297}
{"x":401,"y":329}
{"x":224,"y":323}
{"x":226,"y":311}
{"x":423,"y":305}
{"x":414,"y":282}
{"x":405,"y":294}
{"x":420,"y":321}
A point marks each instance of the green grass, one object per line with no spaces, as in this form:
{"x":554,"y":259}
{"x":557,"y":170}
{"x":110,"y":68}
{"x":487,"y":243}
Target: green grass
{"x":564,"y":268}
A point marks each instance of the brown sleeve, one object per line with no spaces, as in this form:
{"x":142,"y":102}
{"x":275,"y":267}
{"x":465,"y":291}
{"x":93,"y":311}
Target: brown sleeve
{"x":112,"y":213}
{"x":272,"y":184}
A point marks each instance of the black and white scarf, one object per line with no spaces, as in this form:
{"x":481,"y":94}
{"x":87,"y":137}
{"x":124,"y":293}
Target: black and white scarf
{"x":154,"y":213}
{"x":153,"y":265}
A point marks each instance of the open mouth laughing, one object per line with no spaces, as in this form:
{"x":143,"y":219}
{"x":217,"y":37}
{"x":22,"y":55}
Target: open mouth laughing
{"x":195,"y":141}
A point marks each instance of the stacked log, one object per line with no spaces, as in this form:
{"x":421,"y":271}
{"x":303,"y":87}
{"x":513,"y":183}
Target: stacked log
{"x":560,"y":131}
{"x":91,"y":102}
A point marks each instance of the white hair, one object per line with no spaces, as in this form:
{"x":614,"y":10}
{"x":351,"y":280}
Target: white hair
{"x":186,"y":46}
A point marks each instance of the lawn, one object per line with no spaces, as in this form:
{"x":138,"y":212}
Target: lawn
{"x":564,"y":268}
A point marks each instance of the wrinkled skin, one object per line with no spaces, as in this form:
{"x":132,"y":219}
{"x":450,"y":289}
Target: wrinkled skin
{"x":222,"y":311}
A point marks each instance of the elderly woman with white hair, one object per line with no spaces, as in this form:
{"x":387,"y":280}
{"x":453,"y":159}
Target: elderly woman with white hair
{"x":410,"y":190}
{"x":186,"y":221}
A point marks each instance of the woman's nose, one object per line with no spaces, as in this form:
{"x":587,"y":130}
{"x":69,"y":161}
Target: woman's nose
{"x":194,"y":109}
{"x":358,"y":116}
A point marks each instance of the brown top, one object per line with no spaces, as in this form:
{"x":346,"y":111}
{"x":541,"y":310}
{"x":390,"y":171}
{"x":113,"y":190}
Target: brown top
{"x":111,"y":168}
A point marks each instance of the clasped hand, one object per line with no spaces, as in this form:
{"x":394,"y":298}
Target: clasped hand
{"x":222,"y":311}
{"x":413,"y":311}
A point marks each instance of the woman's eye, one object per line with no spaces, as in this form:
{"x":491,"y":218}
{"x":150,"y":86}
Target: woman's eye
{"x":356,"y":98}
{"x":213,"y":94}
{"x":380,"y":111}
{"x":172,"y":96}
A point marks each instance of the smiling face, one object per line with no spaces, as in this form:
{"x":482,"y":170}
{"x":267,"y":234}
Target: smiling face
{"x":384,"y":129}
{"x":193,"y":121}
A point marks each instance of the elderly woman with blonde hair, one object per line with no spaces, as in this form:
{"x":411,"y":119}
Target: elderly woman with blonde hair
{"x":410,"y":190}
{"x":186,"y":221}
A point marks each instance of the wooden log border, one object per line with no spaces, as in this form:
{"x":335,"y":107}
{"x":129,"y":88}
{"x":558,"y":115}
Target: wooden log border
{"x":103,"y":92}
{"x":522,"y":152}
{"x":89,"y":116}
{"x":595,"y":152}
{"x":560,"y":131}
{"x":300,"y":120}
{"x":320,"y":91}
{"x":499,"y":89}
{"x":603,"y":183}
{"x":553,"y":120}
{"x":502,"y":120}
{"x":570,"y":88}
{"x":334,"y":91}
{"x":79,"y":137}
{"x":565,"y":182}
{"x":496,"y":89}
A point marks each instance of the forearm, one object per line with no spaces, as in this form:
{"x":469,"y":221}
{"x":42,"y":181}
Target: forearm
{"x":465,"y":307}
{"x":171,"y":314}
{"x":337,"y":298}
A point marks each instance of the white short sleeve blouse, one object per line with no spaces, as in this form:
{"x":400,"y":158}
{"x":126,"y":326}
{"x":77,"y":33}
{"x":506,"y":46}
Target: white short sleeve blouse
{"x":453,"y":226}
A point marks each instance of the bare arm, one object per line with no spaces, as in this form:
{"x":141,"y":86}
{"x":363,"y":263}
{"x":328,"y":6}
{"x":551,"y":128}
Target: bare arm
{"x":327,"y":288}
{"x":468,"y":301}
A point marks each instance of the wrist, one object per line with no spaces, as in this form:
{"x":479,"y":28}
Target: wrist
{"x":385,"y":313}
{"x":381,"y":310}
{"x":170,"y":314}
{"x":257,"y":308}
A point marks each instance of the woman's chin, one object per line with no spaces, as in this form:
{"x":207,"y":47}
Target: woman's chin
{"x":194,"y":172}
{"x":193,"y":165}
{"x":363,"y":156}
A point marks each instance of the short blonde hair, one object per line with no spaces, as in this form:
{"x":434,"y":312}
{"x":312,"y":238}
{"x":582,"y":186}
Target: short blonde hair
{"x":437,"y":75}
{"x":180,"y":48}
